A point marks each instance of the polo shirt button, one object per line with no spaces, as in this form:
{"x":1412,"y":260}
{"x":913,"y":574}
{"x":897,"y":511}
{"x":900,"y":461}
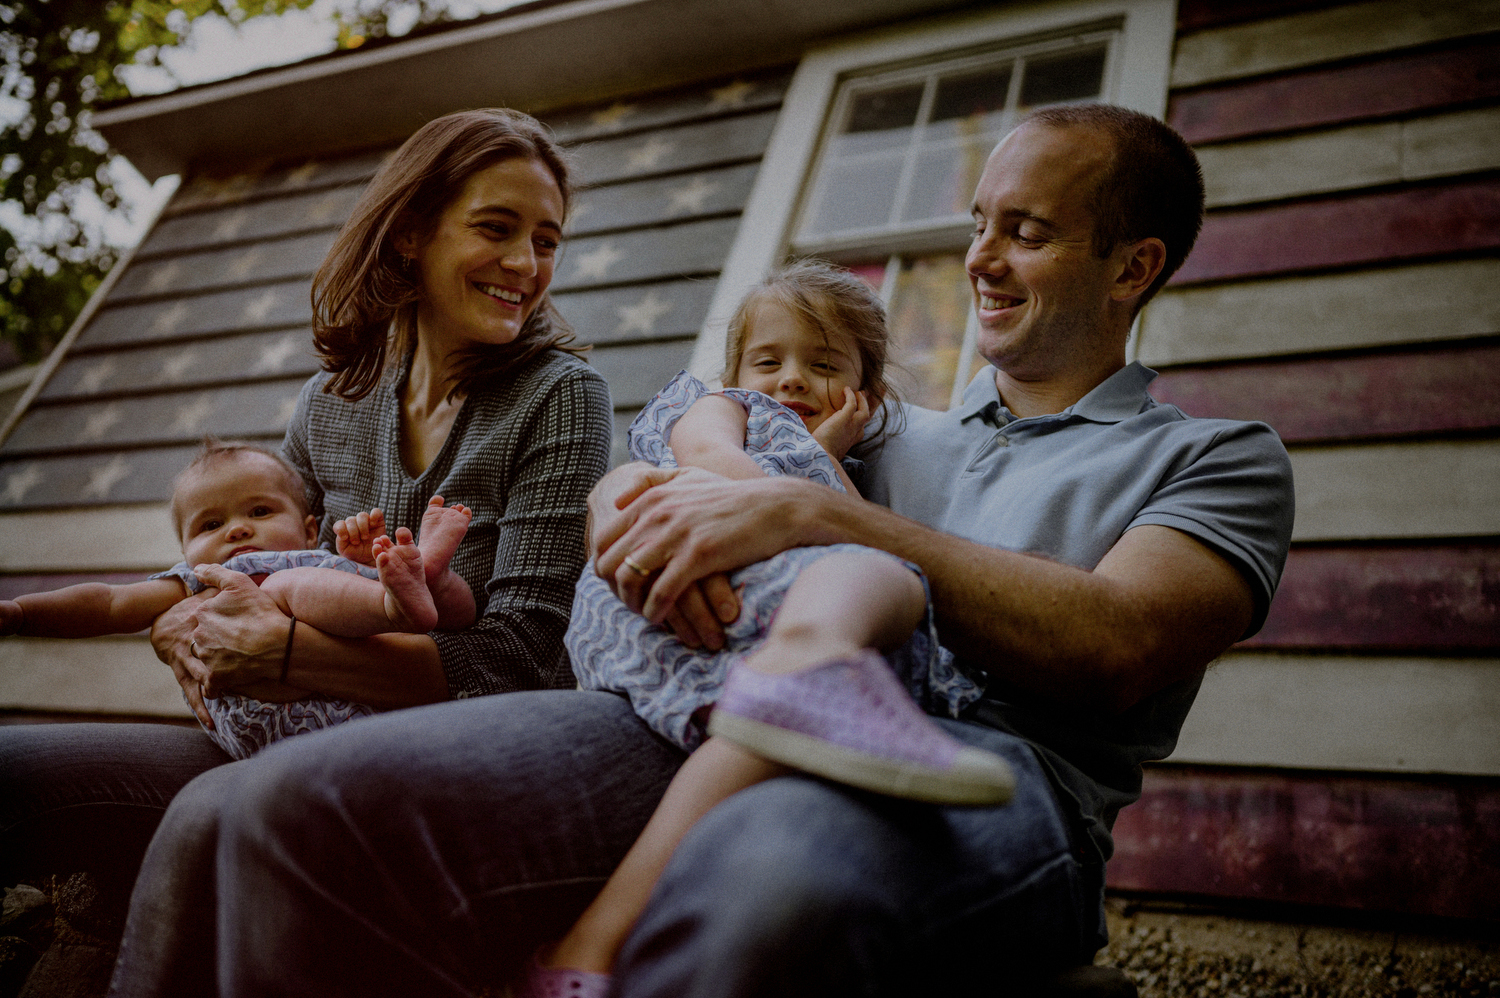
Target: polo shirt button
{"x":1001,"y":440}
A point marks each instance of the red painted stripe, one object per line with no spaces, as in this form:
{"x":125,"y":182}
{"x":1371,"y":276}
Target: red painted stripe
{"x":1436,"y":598}
{"x":1337,"y":232}
{"x":1428,"y":847}
{"x":1349,"y":398}
{"x":12,"y":586}
{"x":1195,"y":15}
{"x":1393,"y":85}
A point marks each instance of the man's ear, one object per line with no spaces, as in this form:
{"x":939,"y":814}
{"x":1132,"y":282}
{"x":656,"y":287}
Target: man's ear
{"x":310,"y":525}
{"x":1139,"y":263}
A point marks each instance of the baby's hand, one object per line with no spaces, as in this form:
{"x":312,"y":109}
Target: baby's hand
{"x":355,"y":537}
{"x":11,"y":617}
{"x":844,"y":428}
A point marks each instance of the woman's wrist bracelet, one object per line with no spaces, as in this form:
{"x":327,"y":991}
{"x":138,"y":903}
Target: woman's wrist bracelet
{"x":286,"y":656}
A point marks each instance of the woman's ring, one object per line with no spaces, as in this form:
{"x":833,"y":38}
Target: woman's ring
{"x":636,"y":567}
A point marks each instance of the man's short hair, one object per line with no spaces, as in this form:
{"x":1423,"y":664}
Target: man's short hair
{"x":1153,"y":186}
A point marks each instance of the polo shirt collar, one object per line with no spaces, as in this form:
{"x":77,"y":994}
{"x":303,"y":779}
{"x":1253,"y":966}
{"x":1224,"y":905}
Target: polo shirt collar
{"x":1116,"y":398}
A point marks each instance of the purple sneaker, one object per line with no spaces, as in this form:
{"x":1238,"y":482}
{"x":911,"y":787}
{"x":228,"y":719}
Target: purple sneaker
{"x":850,"y":720}
{"x":561,"y":982}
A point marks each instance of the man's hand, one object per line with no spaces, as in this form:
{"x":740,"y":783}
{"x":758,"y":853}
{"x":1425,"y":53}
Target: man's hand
{"x":354,"y":537}
{"x":681,"y":527}
{"x":846,"y":427}
{"x":698,"y":614}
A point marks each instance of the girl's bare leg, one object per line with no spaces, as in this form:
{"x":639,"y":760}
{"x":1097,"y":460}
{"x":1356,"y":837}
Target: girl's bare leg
{"x":838,"y":605}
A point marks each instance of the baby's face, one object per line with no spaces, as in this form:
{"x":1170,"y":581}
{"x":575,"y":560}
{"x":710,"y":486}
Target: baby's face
{"x":239,"y":503}
{"x":796,"y":365}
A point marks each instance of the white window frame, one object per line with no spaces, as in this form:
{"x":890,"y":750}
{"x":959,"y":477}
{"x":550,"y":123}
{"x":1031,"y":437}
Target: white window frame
{"x":1136,"y":77}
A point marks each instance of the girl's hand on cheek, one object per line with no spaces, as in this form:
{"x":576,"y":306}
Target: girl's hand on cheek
{"x":844,"y":428}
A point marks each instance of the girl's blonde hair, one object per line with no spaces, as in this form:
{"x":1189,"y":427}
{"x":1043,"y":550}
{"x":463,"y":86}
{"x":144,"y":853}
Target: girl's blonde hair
{"x":833,"y":301}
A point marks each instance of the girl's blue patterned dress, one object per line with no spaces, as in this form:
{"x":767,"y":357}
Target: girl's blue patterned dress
{"x":672,"y":687}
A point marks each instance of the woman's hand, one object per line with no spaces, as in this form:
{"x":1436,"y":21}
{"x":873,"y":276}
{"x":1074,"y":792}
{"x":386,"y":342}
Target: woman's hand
{"x":240,"y":638}
{"x":171,"y":637}
{"x":846,"y":427}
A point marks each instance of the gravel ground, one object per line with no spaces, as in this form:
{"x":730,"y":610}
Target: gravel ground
{"x":1177,"y":952}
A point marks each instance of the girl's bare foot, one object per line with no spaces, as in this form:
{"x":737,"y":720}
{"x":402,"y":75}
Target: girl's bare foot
{"x":408,"y":603}
{"x":355,"y":536}
{"x":443,"y":528}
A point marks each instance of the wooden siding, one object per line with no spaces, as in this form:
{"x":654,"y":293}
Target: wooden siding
{"x":1429,"y":847}
{"x":1321,"y":36}
{"x":1346,"y":290}
{"x":118,"y":675}
{"x":1385,"y":713}
{"x":1374,"y":307}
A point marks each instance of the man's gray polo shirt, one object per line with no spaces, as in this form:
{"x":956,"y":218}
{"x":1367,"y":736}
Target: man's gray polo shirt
{"x":1067,"y":486}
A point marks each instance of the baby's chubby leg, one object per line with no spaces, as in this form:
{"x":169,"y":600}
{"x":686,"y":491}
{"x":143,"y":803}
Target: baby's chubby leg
{"x":343,"y":603}
{"x":442,"y":529}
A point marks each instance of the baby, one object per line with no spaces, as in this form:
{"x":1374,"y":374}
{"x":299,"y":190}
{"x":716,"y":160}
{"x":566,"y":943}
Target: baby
{"x":245,"y":508}
{"x":800,"y":682}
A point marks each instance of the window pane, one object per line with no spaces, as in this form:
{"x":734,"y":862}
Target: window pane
{"x":928,"y":311}
{"x":971,"y":95}
{"x":856,"y":194}
{"x":945,"y":178}
{"x":881,"y":110}
{"x":1058,"y":78}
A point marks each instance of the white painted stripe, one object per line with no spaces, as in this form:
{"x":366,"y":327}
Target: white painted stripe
{"x":1410,"y":715}
{"x":103,"y":539}
{"x":1325,"y":35}
{"x":1345,"y":159}
{"x":118,"y":675}
{"x":1382,"y":307}
{"x":1397,"y":490}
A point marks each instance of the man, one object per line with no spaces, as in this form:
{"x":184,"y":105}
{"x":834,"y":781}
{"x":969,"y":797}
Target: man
{"x":1088,"y":551}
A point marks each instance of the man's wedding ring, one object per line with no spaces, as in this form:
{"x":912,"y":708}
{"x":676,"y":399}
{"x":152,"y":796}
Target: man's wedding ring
{"x":636,"y":567}
{"x":194,"y":646}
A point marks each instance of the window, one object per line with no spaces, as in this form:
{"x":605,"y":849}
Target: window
{"x":880,"y":144}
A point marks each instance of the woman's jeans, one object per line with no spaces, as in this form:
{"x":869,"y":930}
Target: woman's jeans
{"x":428,"y":851}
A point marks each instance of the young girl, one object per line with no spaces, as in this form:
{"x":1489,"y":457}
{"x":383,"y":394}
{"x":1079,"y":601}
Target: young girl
{"x":798,"y":682}
{"x":245,"y":509}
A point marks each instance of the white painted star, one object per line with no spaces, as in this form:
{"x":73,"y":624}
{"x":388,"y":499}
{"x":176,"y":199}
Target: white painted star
{"x":690,"y":197}
{"x":300,"y":176}
{"x":259,"y":307}
{"x":105,"y":477}
{"x":275,"y":355}
{"x":175,"y":367}
{"x":245,"y":263}
{"x":230,"y":225}
{"x":594,"y":265}
{"x":94,"y":378}
{"x":612,"y":117}
{"x":645,"y":157}
{"x":643,"y":315}
{"x":166,"y":323}
{"x":101,"y":422}
{"x":163,"y":275}
{"x":731,"y":95}
{"x":286,"y":410}
{"x":18,"y":483}
{"x":191,"y":416}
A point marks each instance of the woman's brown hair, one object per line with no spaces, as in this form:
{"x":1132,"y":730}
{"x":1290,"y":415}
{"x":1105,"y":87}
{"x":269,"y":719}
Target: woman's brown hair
{"x":364,"y":296}
{"x":828,"y":299}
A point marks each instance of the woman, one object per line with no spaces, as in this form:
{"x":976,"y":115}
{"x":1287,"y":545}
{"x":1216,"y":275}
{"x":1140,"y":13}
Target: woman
{"x":446,"y":372}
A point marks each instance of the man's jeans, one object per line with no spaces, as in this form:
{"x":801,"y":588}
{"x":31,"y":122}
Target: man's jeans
{"x":428,"y":851}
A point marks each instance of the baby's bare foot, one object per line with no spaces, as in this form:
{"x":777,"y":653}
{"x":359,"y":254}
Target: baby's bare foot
{"x":443,"y":527}
{"x":408,"y":603}
{"x":355,"y":536}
